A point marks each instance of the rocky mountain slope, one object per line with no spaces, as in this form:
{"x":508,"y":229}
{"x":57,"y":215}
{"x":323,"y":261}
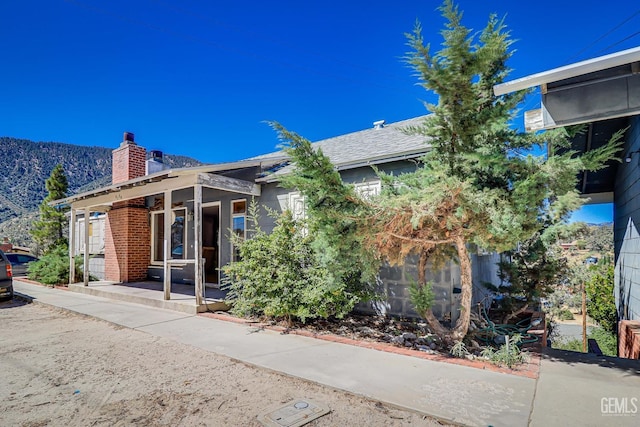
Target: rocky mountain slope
{"x":25,"y":166}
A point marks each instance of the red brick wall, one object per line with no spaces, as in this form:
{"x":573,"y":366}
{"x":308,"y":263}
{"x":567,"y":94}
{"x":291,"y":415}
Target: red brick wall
{"x":128,"y":162}
{"x":127,"y":243}
{"x":629,"y":339}
{"x":127,"y":233}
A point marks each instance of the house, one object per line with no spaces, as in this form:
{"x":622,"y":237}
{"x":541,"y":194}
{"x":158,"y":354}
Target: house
{"x":173,"y":225}
{"x":604,"y":95}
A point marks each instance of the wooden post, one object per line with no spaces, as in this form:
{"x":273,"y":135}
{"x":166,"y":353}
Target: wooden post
{"x":167,"y":245}
{"x":197,"y":240}
{"x":584,"y":319}
{"x":87,"y":218}
{"x":72,"y":246}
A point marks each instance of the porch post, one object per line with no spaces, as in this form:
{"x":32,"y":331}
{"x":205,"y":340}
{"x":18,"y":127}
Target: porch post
{"x":87,"y":218}
{"x":72,"y":246}
{"x":167,"y":244}
{"x":197,"y":231}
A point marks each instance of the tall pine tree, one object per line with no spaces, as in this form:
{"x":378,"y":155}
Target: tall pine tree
{"x":478,"y":186}
{"x":50,"y":231}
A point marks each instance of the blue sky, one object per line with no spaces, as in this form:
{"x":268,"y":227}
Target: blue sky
{"x":199,"y":78}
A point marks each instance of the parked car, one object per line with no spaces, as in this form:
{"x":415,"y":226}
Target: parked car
{"x":20,"y":262}
{"x":6,"y":277}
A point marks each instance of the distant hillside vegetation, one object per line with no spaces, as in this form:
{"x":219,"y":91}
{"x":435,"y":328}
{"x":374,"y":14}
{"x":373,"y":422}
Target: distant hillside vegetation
{"x":26,"y":165}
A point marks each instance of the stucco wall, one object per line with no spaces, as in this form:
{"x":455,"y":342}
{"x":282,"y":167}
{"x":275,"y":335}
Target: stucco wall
{"x":626,"y":214}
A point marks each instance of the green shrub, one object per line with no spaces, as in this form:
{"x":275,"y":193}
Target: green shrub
{"x":52,"y":268}
{"x":459,"y":350}
{"x":279,"y":276}
{"x":565,"y":314}
{"x":606,"y":341}
{"x":566,"y":344}
{"x":421,"y":297}
{"x":601,"y":304}
{"x":509,"y":354}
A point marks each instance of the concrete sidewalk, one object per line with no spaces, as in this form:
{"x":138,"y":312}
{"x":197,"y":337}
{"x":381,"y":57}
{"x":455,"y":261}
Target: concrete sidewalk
{"x":455,"y":393}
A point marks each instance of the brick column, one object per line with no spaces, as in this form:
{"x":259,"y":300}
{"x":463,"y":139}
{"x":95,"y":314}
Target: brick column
{"x":127,"y":249}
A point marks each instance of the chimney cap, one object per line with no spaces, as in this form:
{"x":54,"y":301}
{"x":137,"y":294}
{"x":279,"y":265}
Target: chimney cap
{"x":128,"y":138}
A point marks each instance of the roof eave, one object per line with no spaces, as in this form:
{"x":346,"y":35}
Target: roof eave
{"x":569,"y":71}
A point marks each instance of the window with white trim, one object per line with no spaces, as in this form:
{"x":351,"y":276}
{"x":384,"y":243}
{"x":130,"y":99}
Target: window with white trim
{"x":298,"y":206}
{"x":178,"y":242}
{"x":238,"y":223}
{"x":368,"y":190}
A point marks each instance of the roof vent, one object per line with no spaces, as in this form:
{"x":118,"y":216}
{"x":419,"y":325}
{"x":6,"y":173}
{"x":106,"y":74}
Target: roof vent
{"x":379,"y":124}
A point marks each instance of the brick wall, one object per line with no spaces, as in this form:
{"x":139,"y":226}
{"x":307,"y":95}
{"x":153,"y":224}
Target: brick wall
{"x":128,"y":162}
{"x":127,"y":231}
{"x":629,"y":339}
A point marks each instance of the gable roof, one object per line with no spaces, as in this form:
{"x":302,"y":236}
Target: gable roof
{"x":366,"y":147}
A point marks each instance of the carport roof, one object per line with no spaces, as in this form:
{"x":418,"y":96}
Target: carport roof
{"x":602,"y":92}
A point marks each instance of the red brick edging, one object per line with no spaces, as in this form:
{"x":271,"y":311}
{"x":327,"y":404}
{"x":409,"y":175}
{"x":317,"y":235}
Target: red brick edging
{"x":530,"y":370}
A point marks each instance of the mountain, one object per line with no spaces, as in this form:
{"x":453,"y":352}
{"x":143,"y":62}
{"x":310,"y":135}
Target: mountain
{"x":26,"y":165}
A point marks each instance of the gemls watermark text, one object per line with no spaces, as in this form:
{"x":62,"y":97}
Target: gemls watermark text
{"x":619,"y":406}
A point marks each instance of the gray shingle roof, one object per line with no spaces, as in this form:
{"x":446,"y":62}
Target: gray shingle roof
{"x":369,"y":146}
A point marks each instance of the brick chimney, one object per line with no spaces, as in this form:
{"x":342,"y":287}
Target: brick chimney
{"x":128,"y":160}
{"x":127,"y":233}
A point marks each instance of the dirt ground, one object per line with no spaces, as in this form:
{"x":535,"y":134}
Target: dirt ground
{"x":61,"y":369}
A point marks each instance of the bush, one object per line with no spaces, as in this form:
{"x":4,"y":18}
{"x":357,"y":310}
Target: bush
{"x":601,"y":304}
{"x":509,"y":354}
{"x":52,"y":268}
{"x":565,"y":314}
{"x":606,"y":341}
{"x":279,"y":276}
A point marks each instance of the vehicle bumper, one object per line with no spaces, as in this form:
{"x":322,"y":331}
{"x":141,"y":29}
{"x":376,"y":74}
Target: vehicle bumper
{"x":6,"y":289}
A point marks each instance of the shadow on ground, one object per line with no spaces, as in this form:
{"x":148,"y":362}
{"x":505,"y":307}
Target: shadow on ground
{"x":15,"y":302}
{"x":573,"y":358}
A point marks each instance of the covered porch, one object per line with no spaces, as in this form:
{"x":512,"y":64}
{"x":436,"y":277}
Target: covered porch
{"x":181,"y":297}
{"x":165,"y":236}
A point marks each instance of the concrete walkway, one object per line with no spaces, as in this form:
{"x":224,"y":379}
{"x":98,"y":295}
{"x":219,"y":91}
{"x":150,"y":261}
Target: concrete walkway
{"x":455,"y":393}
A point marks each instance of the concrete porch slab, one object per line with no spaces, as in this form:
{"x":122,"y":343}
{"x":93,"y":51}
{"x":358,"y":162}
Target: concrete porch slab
{"x":182,"y":297}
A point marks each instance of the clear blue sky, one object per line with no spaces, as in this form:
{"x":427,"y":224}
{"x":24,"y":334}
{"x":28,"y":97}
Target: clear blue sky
{"x":199,"y":78}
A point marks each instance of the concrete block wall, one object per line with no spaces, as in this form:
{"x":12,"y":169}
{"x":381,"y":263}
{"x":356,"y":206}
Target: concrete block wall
{"x":626,"y":214}
{"x":393,"y":289}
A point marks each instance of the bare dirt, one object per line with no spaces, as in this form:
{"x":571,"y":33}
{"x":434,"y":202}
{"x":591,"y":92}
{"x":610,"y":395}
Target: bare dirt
{"x":61,"y":369}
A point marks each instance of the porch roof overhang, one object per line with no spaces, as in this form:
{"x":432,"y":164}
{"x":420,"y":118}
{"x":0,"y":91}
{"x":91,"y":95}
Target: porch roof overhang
{"x":167,"y":180}
{"x":601,"y":92}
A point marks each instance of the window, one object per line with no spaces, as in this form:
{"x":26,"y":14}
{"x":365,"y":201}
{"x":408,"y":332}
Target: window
{"x":238,"y":223}
{"x":178,"y":235}
{"x":298,"y":206}
{"x":368,"y":190}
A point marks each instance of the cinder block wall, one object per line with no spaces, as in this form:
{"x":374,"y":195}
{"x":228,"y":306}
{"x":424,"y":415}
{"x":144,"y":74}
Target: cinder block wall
{"x":393,"y":289}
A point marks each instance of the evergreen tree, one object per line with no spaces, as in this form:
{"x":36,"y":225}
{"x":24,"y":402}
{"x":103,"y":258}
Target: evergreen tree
{"x":478,"y":185}
{"x":50,"y":231}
